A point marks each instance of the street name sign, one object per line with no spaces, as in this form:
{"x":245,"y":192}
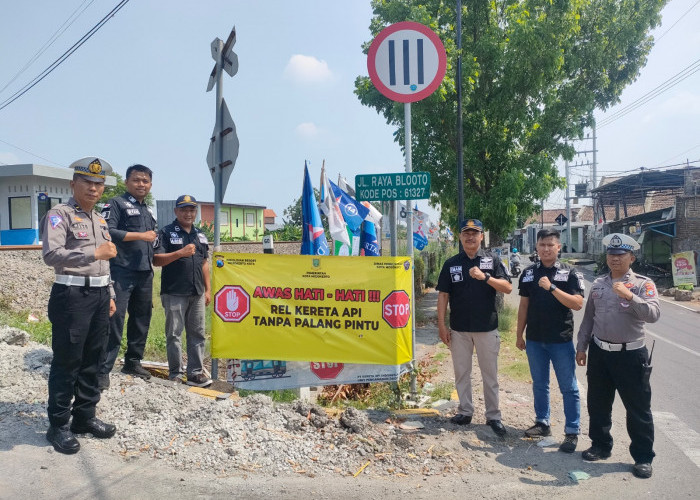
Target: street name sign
{"x":387,"y":187}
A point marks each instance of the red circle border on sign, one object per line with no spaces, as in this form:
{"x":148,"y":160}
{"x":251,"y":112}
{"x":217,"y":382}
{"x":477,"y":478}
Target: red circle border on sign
{"x":442,"y":62}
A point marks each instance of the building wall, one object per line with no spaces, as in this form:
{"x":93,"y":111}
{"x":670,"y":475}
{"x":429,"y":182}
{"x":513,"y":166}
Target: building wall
{"x":237,"y":221}
{"x":687,"y":224}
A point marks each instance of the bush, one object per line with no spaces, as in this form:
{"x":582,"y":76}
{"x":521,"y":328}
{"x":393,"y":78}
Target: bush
{"x":419,"y":272}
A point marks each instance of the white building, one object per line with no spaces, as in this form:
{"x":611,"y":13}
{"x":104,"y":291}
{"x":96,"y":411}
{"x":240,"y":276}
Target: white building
{"x":27,"y":192}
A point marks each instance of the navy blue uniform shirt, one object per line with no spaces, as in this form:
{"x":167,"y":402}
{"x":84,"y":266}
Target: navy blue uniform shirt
{"x":548,"y":320}
{"x":124,"y":214}
{"x":472,"y":301}
{"x":183,"y":276}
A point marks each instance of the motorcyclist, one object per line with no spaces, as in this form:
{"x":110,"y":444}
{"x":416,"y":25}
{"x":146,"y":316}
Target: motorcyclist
{"x":515,"y":263}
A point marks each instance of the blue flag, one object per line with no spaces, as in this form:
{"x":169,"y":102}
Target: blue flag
{"x":368,"y":239}
{"x":313,"y":237}
{"x":353,"y":211}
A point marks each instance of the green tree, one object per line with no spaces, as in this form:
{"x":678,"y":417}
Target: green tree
{"x":119,"y":189}
{"x":533,"y":71}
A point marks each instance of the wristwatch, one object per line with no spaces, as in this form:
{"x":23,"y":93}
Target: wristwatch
{"x":552,"y":287}
{"x":487,"y":277}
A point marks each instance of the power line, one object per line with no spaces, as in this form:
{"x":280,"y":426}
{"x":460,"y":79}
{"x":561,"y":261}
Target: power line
{"x":63,"y":57}
{"x":51,"y":40}
{"x":689,"y":70}
{"x":29,"y":152}
{"x":677,"y":21}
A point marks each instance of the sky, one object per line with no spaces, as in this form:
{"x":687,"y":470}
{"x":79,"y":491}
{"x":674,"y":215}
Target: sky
{"x":135,"y":93}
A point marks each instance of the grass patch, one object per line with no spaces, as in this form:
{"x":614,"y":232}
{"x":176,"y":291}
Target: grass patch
{"x":281,"y":396}
{"x":512,"y":361}
{"x":442,"y":390}
{"x":39,"y":332}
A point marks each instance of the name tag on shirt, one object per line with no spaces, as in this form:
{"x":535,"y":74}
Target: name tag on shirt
{"x":562,"y":275}
{"x":456,"y":274}
{"x":133,"y":211}
{"x":529,"y":276}
{"x":176,"y":241}
{"x":486,"y":263}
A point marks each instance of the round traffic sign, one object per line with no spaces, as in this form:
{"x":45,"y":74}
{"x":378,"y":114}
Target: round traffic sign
{"x":232,"y":303}
{"x":406,"y":61}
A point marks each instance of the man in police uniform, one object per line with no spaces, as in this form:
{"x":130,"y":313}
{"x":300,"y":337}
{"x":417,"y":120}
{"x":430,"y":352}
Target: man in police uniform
{"x":185,"y":290}
{"x":76,"y":242}
{"x":549,"y":290}
{"x":469,"y":282}
{"x":132,"y":227}
{"x":612,"y":331}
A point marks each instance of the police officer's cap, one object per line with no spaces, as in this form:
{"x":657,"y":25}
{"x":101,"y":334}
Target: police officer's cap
{"x":619,"y":243}
{"x":185,"y":201}
{"x":93,"y":168}
{"x":471,"y":225}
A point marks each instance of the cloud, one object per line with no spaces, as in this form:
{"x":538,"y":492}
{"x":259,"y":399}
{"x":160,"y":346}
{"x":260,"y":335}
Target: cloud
{"x":307,"y":70}
{"x":308,"y":130}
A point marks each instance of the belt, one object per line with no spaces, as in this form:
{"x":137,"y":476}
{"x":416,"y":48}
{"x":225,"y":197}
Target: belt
{"x":89,"y":281}
{"x":625,"y":346}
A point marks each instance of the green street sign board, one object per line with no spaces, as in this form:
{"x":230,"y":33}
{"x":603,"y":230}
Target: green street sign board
{"x":387,"y":187}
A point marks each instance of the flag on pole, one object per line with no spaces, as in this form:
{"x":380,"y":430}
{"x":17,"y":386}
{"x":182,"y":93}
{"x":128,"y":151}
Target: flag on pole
{"x":353,"y":249}
{"x":313,"y":237}
{"x":329,"y":206}
{"x":374,"y":214}
{"x":353,"y":212}
{"x":368,"y":239}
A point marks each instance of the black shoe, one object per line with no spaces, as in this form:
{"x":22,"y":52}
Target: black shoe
{"x":103,"y":381}
{"x":497,"y":427}
{"x":593,"y":454}
{"x":642,"y":470}
{"x":199,"y":380}
{"x":134,"y":368}
{"x":538,"y":430}
{"x":62,"y":439}
{"x":460,"y":419}
{"x":569,"y":443}
{"x":93,"y":426}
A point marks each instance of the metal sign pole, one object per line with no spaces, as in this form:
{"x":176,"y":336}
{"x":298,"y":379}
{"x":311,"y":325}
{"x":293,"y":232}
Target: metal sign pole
{"x":218,"y":155}
{"x":409,"y":245}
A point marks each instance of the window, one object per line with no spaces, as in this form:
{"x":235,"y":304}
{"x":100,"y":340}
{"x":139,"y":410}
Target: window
{"x":250,"y":219}
{"x":223,"y":218}
{"x":20,"y":213}
{"x":236,"y":222}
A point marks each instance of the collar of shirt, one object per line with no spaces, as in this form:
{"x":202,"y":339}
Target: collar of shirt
{"x":128,"y":197}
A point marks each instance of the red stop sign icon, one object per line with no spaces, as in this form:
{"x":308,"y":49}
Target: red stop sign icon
{"x":396,"y":309}
{"x":232,"y":303}
{"x":326,"y":371}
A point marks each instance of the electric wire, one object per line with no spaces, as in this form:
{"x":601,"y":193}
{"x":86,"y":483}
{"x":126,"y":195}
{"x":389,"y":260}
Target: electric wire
{"x":62,"y":58}
{"x":66,"y":24}
{"x":656,"y":40}
{"x":29,"y":152}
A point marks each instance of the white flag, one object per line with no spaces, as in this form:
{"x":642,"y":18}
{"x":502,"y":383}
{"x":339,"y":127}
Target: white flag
{"x":329,"y":206}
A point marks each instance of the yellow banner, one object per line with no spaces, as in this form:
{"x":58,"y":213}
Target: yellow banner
{"x":312,"y":308}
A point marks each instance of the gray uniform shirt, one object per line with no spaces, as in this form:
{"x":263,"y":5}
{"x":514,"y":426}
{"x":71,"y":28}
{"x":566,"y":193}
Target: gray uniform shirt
{"x":70,"y":237}
{"x":613,"y":319}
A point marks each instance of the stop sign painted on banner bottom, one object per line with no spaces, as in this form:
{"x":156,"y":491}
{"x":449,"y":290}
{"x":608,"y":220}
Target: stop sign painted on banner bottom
{"x":326,"y":371}
{"x":232,"y":303}
{"x":396,"y":309}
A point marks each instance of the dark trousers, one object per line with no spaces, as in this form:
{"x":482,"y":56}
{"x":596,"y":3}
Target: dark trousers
{"x":79,"y":324}
{"x":134,"y":291}
{"x":621,"y":371}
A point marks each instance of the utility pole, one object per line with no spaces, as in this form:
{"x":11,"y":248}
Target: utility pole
{"x":223,"y":146}
{"x":460,"y":133}
{"x":568,"y":206}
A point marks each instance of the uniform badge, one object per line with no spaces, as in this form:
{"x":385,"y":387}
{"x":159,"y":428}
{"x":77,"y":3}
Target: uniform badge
{"x":176,"y":228}
{"x":486,"y":263}
{"x":78,"y":219}
{"x":132,"y":199}
{"x":105,"y":214}
{"x":176,"y":241}
{"x":562,"y":275}
{"x":529,"y":276}
{"x":456,"y":274}
{"x":174,"y":235}
{"x":581,"y":283}
{"x":203,"y":238}
{"x":102,"y":221}
{"x":133,"y":211}
{"x":128,"y":205}
{"x":629,"y":284}
{"x":650,"y":290}
{"x":55,"y":220}
{"x":82,"y":235}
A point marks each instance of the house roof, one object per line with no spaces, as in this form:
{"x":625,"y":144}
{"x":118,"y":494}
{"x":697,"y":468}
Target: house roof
{"x":551,"y":214}
{"x":32,"y":169}
{"x":268,"y":212}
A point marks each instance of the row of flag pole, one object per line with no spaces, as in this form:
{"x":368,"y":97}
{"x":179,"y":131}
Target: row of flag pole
{"x":352,"y":224}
